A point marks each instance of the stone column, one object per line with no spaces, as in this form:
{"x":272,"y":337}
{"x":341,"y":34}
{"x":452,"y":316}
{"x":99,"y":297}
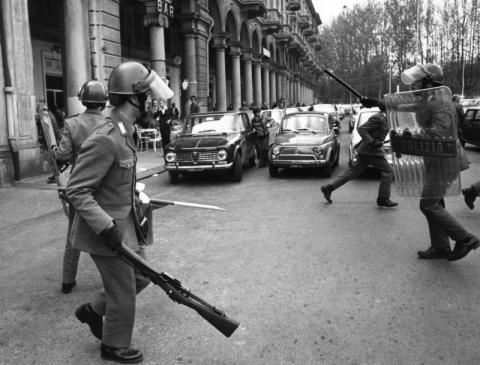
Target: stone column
{"x":20,"y":155}
{"x":257,"y":75}
{"x":157,"y":23}
{"x":220,"y":45}
{"x":266,"y":83}
{"x":190,"y":68}
{"x":273,"y":86}
{"x":280,"y":90}
{"x":77,"y":53}
{"x":247,"y":59}
{"x":235,"y":53}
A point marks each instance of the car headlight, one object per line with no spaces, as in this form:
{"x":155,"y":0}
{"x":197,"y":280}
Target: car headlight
{"x":171,"y":157}
{"x":222,"y":155}
{"x":276,"y":150}
{"x":320,"y":151}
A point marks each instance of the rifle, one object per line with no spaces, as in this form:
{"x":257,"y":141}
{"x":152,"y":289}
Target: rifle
{"x":350,"y":88}
{"x":51,"y":142}
{"x":158,"y":203}
{"x":178,"y":293}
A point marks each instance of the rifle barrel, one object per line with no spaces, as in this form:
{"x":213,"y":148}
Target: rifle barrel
{"x":343,"y":83}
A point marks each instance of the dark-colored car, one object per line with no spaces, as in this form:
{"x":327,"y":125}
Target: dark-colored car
{"x":213,"y":141}
{"x":305,"y":140}
{"x":470,"y":128}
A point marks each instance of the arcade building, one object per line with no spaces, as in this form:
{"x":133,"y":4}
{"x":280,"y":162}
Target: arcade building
{"x":224,"y":52}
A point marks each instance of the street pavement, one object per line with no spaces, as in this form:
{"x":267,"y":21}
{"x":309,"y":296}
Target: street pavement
{"x":310,"y":283}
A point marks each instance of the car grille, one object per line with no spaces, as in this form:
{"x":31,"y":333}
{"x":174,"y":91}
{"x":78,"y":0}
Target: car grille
{"x":201,"y":156}
{"x":282,"y":157}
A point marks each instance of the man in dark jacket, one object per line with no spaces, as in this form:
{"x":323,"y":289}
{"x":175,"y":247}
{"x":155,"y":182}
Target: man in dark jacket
{"x":259,"y":124}
{"x":370,"y":152}
{"x":164,"y":123}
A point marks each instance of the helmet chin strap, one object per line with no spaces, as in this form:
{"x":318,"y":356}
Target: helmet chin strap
{"x":138,"y":106}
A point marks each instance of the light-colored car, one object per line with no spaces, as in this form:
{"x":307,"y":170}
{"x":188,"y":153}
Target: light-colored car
{"x":305,"y":140}
{"x":355,"y":138}
{"x":467,"y":103}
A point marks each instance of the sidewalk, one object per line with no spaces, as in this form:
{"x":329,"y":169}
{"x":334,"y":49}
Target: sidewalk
{"x":31,"y":197}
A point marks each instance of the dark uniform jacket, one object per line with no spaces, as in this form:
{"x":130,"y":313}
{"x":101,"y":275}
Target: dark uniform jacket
{"x":101,"y":187}
{"x":75,"y":131}
{"x":375,"y":128}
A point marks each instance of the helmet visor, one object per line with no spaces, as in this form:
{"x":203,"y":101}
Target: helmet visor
{"x":412,"y":74}
{"x":158,"y":88}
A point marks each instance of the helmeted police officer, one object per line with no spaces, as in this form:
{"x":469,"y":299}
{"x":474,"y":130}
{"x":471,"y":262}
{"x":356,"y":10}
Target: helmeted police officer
{"x":76,"y":130}
{"x":442,"y":225}
{"x":101,"y":189}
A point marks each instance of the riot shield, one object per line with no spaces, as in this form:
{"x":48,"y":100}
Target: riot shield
{"x":423,"y":135}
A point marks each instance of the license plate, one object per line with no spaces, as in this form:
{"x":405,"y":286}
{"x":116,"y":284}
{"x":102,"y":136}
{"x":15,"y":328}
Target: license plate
{"x":296,"y":166}
{"x":195,"y":169}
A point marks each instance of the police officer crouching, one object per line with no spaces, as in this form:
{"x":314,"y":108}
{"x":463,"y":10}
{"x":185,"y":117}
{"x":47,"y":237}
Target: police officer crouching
{"x":101,"y":189}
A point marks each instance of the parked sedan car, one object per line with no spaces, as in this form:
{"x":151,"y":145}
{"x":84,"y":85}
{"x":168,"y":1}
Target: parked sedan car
{"x":470,"y":128}
{"x":355,"y":139}
{"x":213,"y":141}
{"x":305,"y":140}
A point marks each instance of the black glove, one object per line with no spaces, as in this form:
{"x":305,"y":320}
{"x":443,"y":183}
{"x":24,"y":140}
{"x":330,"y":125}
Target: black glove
{"x":369,"y":102}
{"x":112,"y":236}
{"x":376,"y":143}
{"x":470,"y":194}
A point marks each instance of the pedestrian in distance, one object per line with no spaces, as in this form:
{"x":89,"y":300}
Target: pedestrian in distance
{"x":164,"y":123}
{"x":244,"y":106}
{"x":260,"y":126}
{"x":174,"y":111}
{"x":76,"y":130}
{"x":441,"y":224}
{"x":370,"y":152}
{"x":101,"y":189}
{"x":459,"y":113}
{"x":194,"y":106}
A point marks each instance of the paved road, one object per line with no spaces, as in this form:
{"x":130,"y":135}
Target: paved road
{"x":310,"y":283}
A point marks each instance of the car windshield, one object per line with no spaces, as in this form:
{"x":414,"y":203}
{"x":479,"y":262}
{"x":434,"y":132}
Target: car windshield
{"x":312,"y":123}
{"x":222,"y":123}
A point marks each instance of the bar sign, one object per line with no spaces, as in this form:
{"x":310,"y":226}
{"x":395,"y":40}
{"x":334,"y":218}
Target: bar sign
{"x":166,"y":8}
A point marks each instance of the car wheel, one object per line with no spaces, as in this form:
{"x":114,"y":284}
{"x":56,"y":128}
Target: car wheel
{"x":273,"y":170}
{"x":253,"y":160}
{"x":173,"y":177}
{"x":237,"y":169}
{"x":327,"y":170}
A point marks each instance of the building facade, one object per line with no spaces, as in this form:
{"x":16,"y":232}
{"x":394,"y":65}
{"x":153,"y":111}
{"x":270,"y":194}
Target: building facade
{"x":224,"y":52}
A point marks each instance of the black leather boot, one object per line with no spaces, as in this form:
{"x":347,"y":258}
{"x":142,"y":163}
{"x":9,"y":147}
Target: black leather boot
{"x":470,"y":194}
{"x":86,"y":314}
{"x":434,"y":253}
{"x":124,"y":355}
{"x":386,"y":202}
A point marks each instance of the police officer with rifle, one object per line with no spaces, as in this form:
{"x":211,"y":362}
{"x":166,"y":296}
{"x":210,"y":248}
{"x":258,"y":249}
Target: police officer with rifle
{"x":101,"y":188}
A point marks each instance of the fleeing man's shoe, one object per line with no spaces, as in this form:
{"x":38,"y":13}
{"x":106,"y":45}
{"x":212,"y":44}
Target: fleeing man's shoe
{"x":86,"y":314}
{"x":469,"y":194}
{"x":462,"y":249}
{"x":386,"y":202}
{"x":327,"y":192}
{"x":434,"y":253}
{"x":67,"y":287}
{"x":124,"y":355}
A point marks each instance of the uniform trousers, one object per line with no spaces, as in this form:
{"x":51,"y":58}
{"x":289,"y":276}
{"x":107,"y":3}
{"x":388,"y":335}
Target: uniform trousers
{"x":363,"y":161}
{"x":71,"y":255}
{"x":117,"y":301}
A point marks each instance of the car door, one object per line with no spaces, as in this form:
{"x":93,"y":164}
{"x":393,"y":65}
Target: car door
{"x":476,"y":128}
{"x":249,"y":136}
{"x":467,"y":128}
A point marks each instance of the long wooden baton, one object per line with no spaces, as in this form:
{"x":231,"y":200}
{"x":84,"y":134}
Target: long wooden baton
{"x":343,"y":83}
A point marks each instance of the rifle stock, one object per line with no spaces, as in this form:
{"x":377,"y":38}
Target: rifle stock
{"x":178,"y":293}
